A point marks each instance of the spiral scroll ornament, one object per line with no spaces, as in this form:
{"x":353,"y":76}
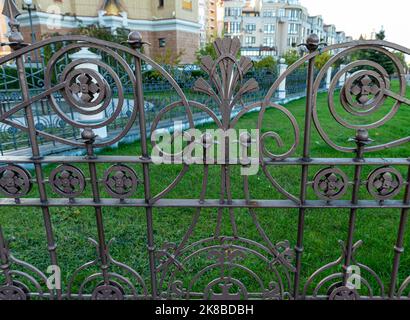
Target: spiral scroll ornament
{"x":364,"y":94}
{"x":15,"y":181}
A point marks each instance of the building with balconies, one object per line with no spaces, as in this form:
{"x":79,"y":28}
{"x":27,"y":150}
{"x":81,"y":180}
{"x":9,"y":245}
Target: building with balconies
{"x":272,"y":27}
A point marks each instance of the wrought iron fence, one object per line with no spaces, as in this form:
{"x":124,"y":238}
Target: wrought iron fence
{"x":158,"y":93}
{"x":233,"y":263}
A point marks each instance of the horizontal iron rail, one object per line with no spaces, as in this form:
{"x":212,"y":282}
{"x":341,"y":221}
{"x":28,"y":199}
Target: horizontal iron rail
{"x":191,"y":203}
{"x":269,"y":162}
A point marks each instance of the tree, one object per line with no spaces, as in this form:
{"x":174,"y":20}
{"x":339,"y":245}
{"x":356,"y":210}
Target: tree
{"x":291,"y":56}
{"x":267,"y":63}
{"x":376,"y":56}
{"x":207,"y":50}
{"x":169,"y":58}
{"x":402,"y":58}
{"x":97,"y":31}
{"x":322,"y":59}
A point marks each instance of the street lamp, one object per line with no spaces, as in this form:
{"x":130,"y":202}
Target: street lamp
{"x":28,"y":5}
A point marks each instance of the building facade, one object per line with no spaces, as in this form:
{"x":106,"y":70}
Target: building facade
{"x":272,"y":27}
{"x":166,"y":24}
{"x":209,"y":16}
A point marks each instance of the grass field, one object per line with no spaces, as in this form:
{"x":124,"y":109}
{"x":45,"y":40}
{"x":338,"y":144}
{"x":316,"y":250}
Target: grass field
{"x":377,"y":228}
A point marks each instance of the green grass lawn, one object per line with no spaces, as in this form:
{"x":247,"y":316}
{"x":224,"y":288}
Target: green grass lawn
{"x":377,"y":228}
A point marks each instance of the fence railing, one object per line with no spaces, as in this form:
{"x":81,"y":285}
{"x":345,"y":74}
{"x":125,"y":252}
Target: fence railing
{"x":158,"y":94}
{"x":355,"y":122}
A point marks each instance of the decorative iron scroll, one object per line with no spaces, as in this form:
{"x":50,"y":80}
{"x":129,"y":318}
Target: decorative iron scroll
{"x":224,"y":264}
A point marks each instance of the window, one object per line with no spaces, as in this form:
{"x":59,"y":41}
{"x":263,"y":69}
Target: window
{"x":232,"y":27}
{"x":250,"y":27}
{"x":268,"y":41}
{"x":282,"y":12}
{"x":162,"y":42}
{"x":187,"y":5}
{"x":250,"y":40}
{"x":293,"y":28}
{"x":268,"y":13}
{"x":233,"y":12}
{"x":269,"y":28}
{"x":160,"y":3}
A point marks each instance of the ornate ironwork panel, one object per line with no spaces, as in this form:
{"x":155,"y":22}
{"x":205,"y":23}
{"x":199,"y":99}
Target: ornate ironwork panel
{"x":226,"y":264}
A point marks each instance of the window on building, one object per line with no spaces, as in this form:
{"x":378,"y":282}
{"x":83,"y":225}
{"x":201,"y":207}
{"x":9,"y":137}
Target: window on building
{"x":293,"y":28}
{"x":268,"y":13}
{"x":233,"y":12}
{"x":250,"y":27}
{"x":161,"y":3}
{"x":250,"y":40}
{"x":268,"y":41}
{"x":232,"y":27}
{"x":162,"y":42}
{"x":282,"y":13}
{"x":269,"y":28}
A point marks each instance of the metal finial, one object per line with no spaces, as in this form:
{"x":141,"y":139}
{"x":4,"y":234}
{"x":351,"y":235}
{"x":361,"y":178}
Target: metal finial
{"x":88,"y":135}
{"x":16,"y":39}
{"x":135,"y":40}
{"x":312,"y":42}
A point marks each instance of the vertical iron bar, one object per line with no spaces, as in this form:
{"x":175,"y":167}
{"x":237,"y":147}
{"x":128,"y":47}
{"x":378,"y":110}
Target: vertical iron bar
{"x":136,"y":43}
{"x":362,"y":138}
{"x":52,"y":246}
{"x":89,"y":136}
{"x":4,"y":259}
{"x":398,"y":248}
{"x":312,"y":45}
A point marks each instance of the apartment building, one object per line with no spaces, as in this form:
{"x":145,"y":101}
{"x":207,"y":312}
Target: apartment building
{"x":272,"y":27}
{"x":210,"y":16}
{"x":165,"y":24}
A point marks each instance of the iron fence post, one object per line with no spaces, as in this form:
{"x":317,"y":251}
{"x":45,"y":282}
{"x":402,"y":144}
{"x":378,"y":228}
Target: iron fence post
{"x":312,"y":45}
{"x":52,"y":246}
{"x":135,"y":42}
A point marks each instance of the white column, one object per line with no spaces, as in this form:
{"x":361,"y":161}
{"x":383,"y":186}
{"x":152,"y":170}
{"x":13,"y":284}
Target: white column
{"x":329,"y":77}
{"x":342,"y":79}
{"x":85,"y":53}
{"x":282,"y":87}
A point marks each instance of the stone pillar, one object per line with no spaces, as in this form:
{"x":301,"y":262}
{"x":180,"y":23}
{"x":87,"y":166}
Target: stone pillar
{"x":342,"y":79}
{"x":329,"y":77}
{"x":85,"y":53}
{"x":282,"y":87}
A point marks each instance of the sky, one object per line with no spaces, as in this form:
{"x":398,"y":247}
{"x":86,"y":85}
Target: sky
{"x":357,"y":17}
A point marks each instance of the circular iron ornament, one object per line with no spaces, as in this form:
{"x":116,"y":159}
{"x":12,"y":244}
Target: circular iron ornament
{"x":120,"y":181}
{"x":88,"y":92}
{"x":108,"y":292}
{"x":12,"y":292}
{"x":344,"y":293}
{"x":384,"y":183}
{"x":67,"y":181}
{"x":15,"y":181}
{"x":86,"y":89}
{"x":330,"y":184}
{"x":363,"y":91}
